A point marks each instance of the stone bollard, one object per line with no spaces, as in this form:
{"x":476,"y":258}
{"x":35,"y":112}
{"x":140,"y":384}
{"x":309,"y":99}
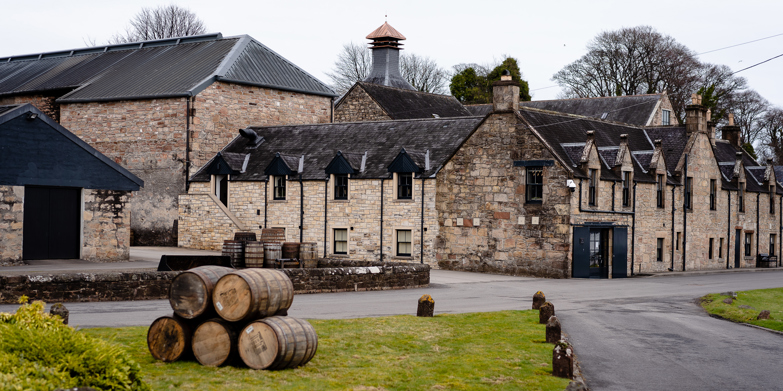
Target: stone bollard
{"x":546,"y":311}
{"x":563,"y":360}
{"x":553,"y":330}
{"x":763,"y":315}
{"x":426,"y":306}
{"x":59,"y":309}
{"x":538,"y":299}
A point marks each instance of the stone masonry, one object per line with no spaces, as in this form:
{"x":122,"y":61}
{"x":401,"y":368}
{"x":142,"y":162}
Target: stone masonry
{"x":358,"y":106}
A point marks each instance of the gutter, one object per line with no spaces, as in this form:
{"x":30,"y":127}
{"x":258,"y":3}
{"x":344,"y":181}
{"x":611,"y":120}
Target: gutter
{"x":326,"y":210}
{"x":266,"y":198}
{"x":381,"y":235}
{"x":758,"y":233}
{"x":685,"y":212}
{"x":421,"y":245}
{"x":674,"y":208}
{"x":633,"y":227}
{"x":301,"y":208}
{"x":728,"y":230}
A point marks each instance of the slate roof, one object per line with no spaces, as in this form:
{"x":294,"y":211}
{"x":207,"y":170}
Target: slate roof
{"x":631,"y":109}
{"x":175,"y":67}
{"x":401,"y":103}
{"x":778,"y":173}
{"x":381,"y":140}
{"x":41,"y":152}
{"x":566,"y":134}
{"x":479,"y":109}
{"x":673,"y":142}
{"x":725,"y":154}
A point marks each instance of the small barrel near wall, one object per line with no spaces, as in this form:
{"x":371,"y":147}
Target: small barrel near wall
{"x":272,"y":235}
{"x":252,"y":293}
{"x":236,"y":250}
{"x":190,"y":293}
{"x":308,"y":255}
{"x":245,"y":236}
{"x":254,"y":254}
{"x":169,"y":338}
{"x":215,"y":342}
{"x":272,"y":252}
{"x":278,"y":342}
{"x":291,"y":250}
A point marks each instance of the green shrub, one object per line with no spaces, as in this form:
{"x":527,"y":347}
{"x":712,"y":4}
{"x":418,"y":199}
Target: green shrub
{"x":39,"y":352}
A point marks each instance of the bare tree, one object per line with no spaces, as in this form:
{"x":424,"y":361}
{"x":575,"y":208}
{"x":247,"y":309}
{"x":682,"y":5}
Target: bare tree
{"x":353,"y":64}
{"x":772,"y":134}
{"x":750,"y":114}
{"x":423,"y":73}
{"x":159,"y":23}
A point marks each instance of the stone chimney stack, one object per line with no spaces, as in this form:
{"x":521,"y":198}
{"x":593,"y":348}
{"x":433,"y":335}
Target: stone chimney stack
{"x":505,"y":94}
{"x":731,"y":132}
{"x":386,"y":48}
{"x":711,"y":127}
{"x":695,"y":116}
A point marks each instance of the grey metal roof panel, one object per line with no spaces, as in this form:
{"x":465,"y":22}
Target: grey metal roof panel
{"x":382,"y":141}
{"x":260,"y":65}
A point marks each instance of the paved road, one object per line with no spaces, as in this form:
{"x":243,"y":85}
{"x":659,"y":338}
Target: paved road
{"x":630,"y":334}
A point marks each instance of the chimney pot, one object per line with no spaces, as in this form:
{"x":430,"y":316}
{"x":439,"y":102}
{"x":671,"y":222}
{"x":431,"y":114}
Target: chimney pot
{"x":731,"y":119}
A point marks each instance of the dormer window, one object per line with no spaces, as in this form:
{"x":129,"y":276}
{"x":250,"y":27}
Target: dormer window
{"x":591,"y":185}
{"x":741,"y":197}
{"x":221,"y":188}
{"x":666,"y":117}
{"x":660,"y":185}
{"x":688,"y":193}
{"x":404,"y":185}
{"x":279,"y":187}
{"x":340,"y":186}
{"x":772,"y":200}
{"x":626,"y":188}
{"x":713,"y":193}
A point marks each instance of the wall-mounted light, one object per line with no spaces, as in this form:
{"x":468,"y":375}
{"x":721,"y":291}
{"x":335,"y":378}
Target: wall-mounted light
{"x":32,"y":116}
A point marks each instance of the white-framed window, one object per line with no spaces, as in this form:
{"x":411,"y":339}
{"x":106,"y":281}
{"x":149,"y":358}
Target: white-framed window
{"x":404,"y":185}
{"x":278,"y":187}
{"x":534,"y":185}
{"x":340,"y":241}
{"x":340,"y":186}
{"x":666,"y":117}
{"x":403,"y":243}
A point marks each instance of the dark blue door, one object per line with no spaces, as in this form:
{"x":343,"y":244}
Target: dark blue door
{"x":620,"y":252}
{"x":52,"y":223}
{"x":581,"y":255}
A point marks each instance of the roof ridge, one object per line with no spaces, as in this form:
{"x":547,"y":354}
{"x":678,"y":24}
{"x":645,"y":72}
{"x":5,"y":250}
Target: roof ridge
{"x":594,"y":97}
{"x":361,"y":82}
{"x":364,"y":122}
{"x":577,"y":116}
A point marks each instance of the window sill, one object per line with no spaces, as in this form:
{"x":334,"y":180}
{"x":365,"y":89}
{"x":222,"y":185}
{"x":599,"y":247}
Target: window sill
{"x":340,"y":201}
{"x":402,"y":257}
{"x":339,"y":255}
{"x":277,"y":201}
{"x":403,"y":200}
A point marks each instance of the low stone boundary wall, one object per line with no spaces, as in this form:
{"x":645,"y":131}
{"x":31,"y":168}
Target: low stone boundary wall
{"x":331,"y":276}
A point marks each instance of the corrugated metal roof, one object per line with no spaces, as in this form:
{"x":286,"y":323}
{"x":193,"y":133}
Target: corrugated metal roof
{"x":153,"y":69}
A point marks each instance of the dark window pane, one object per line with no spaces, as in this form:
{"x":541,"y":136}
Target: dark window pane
{"x":535,"y":184}
{"x":341,"y":186}
{"x":405,"y":186}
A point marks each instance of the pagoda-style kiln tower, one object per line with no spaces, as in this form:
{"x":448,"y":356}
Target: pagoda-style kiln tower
{"x":386,"y":48}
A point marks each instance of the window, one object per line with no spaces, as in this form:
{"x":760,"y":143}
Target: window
{"x":741,"y":195}
{"x":534,"y":187}
{"x":772,"y":200}
{"x":591,"y":186}
{"x":403,"y":243}
{"x":659,"y":250}
{"x":713,"y":190}
{"x":405,"y":186}
{"x":659,"y":190}
{"x":772,"y":238}
{"x":748,"y":240}
{"x":626,"y":188}
{"x":221,"y":188}
{"x":279,"y":187}
{"x":677,"y":243}
{"x":341,"y":186}
{"x":720,"y":248}
{"x":666,"y":117}
{"x":340,"y":241}
{"x":712,"y":244}
{"x":688,"y":193}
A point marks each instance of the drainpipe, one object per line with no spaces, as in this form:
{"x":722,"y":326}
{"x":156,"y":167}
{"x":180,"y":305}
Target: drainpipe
{"x":674,"y":208}
{"x":780,"y":233}
{"x":728,"y":231}
{"x":266,"y":199}
{"x":613,"y":195}
{"x":301,"y":208}
{"x":685,"y":213}
{"x":326,"y":198}
{"x":381,"y":235}
{"x":421,"y":245}
{"x":187,"y":145}
{"x":633,"y":228}
{"x":758,"y":233}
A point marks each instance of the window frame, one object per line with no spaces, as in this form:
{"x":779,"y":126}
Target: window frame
{"x":278,"y":188}
{"x":398,"y":242}
{"x":531,"y":186}
{"x":772,"y":239}
{"x":659,"y":250}
{"x":216,"y":188}
{"x":711,"y":251}
{"x":591,"y":187}
{"x":340,"y":190}
{"x":666,"y":117}
{"x":772,"y":200}
{"x":713,"y":193}
{"x":402,"y":185}
{"x":688,"y":196}
{"x":741,"y":195}
{"x":720,"y":248}
{"x":626,"y":188}
{"x":659,"y":189}
{"x":335,"y":241}
{"x":748,"y":244}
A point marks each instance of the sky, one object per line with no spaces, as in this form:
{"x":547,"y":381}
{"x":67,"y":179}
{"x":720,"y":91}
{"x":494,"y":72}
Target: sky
{"x":544,"y":36}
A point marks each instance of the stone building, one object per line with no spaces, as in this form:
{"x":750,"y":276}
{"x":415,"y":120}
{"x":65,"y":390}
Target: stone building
{"x":59,"y":197}
{"x":163,"y":108}
{"x":385,"y":94}
{"x":519,"y":191}
{"x":640,"y":110}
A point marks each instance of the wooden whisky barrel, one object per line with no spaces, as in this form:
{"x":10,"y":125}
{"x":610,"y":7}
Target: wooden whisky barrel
{"x":250,"y":294}
{"x":291,"y":250}
{"x":272,"y":235}
{"x":215,"y":342}
{"x":254,"y":254}
{"x":236,"y":250}
{"x":308,"y":255}
{"x":190,"y":292}
{"x":245,"y":236}
{"x":169,"y":338}
{"x":272,"y":252}
{"x":278,"y":342}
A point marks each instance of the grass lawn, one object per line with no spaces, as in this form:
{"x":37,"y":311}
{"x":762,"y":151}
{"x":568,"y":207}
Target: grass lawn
{"x":759,"y":300}
{"x":479,"y":351}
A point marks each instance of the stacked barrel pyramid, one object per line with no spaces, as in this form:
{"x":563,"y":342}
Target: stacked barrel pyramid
{"x":222,"y":315}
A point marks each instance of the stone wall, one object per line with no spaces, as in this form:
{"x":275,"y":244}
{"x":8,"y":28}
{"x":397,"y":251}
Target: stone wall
{"x":486,"y":225}
{"x":203,"y":225}
{"x":106,"y":226}
{"x":665,"y":104}
{"x":11,"y":225}
{"x":45,"y":103}
{"x":358,"y":106}
{"x":353,"y":278}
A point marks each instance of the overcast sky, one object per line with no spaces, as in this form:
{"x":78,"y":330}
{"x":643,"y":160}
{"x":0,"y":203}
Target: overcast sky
{"x":543,"y":35}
